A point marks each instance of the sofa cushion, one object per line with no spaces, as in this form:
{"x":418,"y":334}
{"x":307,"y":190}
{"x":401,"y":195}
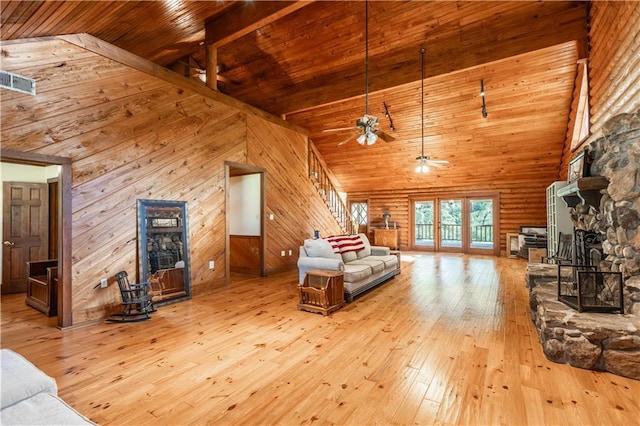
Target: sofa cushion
{"x":349,"y":256}
{"x":376,"y":265}
{"x":366,"y":250}
{"x":390,"y":261}
{"x":319,"y":248}
{"x":21,"y":379}
{"x":353,"y":273}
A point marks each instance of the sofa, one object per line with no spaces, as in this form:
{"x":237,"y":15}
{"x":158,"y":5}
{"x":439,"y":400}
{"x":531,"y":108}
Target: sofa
{"x":364,"y":266}
{"x":30,"y":397}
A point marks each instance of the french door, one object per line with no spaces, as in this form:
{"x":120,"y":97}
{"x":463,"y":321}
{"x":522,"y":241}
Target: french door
{"x":462,"y":224}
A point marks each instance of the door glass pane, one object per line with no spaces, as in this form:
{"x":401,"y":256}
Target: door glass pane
{"x":359,"y":212}
{"x":451,"y":223}
{"x":423,"y":223}
{"x":481,"y":223}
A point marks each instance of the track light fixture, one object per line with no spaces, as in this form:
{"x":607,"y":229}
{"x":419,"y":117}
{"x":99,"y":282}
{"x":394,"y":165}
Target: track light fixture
{"x":388,"y":115}
{"x":484,"y":105}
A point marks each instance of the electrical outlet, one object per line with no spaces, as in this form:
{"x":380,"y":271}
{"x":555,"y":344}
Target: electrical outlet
{"x":103,"y":283}
{"x":212,"y":264}
{"x":282,"y":253}
{"x":290,"y":252}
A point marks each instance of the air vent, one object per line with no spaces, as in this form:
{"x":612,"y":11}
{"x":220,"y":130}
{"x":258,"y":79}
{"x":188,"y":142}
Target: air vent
{"x":18,"y":83}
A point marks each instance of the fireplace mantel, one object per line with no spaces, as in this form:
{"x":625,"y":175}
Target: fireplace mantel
{"x":585,"y":190}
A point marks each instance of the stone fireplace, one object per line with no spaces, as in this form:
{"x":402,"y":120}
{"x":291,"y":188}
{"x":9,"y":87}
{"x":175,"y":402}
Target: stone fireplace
{"x":600,"y":341}
{"x":616,"y":156}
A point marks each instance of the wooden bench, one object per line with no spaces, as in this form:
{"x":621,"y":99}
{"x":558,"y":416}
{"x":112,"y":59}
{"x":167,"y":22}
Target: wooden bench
{"x":42,"y":286}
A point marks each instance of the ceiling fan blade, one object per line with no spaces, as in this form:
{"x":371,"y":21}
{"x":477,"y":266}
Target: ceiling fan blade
{"x":384,"y":136}
{"x":340,"y":129}
{"x":438,"y":162}
{"x":436,"y":165}
{"x":349,"y":139}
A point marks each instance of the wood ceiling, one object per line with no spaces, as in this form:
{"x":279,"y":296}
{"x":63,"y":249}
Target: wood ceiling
{"x":305,"y":62}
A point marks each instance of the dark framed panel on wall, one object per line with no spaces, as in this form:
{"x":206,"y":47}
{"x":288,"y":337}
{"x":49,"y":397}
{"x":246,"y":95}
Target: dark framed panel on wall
{"x":163,"y":249}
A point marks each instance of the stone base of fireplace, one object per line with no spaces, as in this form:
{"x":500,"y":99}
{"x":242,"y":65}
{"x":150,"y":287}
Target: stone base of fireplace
{"x":595,"y":341}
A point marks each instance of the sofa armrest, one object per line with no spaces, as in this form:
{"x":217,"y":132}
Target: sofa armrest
{"x":307,"y":263}
{"x":380,"y":251}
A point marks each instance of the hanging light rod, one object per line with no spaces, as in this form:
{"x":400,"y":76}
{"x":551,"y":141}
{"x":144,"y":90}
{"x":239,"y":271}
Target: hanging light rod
{"x":424,"y":161}
{"x":484,"y":105}
{"x":422,"y":166}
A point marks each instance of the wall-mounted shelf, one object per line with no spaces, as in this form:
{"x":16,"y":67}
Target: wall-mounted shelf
{"x":584,"y":191}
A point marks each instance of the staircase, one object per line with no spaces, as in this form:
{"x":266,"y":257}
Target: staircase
{"x":328,"y":192}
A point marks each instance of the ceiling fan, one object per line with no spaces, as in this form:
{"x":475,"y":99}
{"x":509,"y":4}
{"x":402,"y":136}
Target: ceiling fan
{"x":424,"y":161}
{"x":367,"y":125}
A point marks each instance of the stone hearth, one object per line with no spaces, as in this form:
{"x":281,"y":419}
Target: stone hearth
{"x":600,"y":341}
{"x":595,"y":341}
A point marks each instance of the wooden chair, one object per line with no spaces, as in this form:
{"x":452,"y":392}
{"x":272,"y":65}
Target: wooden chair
{"x":42,"y":286}
{"x":564,"y":250}
{"x":137,"y":301}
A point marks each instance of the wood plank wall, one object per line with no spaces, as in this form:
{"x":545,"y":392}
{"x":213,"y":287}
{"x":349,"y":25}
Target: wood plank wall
{"x":297,"y":208}
{"x":132,"y":135}
{"x":245,"y":254}
{"x":614,"y":65}
{"x":519,"y":205}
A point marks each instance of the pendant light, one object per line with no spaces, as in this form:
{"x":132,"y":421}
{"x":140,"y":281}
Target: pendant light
{"x":422,"y":159}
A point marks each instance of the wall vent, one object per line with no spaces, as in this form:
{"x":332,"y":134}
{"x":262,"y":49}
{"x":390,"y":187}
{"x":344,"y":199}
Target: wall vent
{"x":18,"y":83}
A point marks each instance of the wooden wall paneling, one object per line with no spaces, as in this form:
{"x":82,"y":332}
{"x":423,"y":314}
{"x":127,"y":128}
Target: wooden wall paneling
{"x":96,"y":45}
{"x":53,"y":129}
{"x":291,"y":197}
{"x":24,"y":55}
{"x":172,"y":144}
{"x":245,"y":254}
{"x":77,"y":73}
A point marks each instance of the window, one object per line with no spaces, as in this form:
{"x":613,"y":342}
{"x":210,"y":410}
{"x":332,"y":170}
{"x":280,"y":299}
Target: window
{"x":359,"y":212}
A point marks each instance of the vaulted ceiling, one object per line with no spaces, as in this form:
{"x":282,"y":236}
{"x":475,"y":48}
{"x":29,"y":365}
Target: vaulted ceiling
{"x":305,"y":62}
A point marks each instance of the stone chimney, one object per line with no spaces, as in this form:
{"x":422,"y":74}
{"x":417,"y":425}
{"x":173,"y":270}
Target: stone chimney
{"x":616,"y":156}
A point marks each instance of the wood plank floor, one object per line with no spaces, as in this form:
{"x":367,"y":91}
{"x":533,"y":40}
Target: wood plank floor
{"x":449,"y":341}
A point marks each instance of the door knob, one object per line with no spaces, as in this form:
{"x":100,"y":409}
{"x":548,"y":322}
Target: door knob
{"x":8,"y":243}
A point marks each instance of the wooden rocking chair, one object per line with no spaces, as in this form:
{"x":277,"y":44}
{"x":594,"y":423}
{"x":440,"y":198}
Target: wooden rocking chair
{"x":137,"y":301}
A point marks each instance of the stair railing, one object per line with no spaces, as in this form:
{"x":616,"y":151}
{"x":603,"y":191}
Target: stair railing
{"x":320,"y":179}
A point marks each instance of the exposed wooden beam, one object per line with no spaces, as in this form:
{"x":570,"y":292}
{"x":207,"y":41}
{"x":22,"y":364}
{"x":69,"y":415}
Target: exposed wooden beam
{"x":247,"y":18}
{"x":211,"y":68}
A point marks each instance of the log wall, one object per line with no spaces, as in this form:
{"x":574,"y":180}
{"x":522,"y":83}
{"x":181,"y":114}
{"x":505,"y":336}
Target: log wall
{"x":519,"y":205}
{"x":135,"y":134}
{"x":614,"y":65}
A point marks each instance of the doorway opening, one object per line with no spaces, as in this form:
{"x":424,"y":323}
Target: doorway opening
{"x":245,"y":222}
{"x":454,"y":223}
{"x":59,"y":221}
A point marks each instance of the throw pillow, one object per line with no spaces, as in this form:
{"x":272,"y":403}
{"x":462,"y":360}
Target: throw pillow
{"x":346,"y":243}
{"x":318,"y":248}
{"x":366,"y":251}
